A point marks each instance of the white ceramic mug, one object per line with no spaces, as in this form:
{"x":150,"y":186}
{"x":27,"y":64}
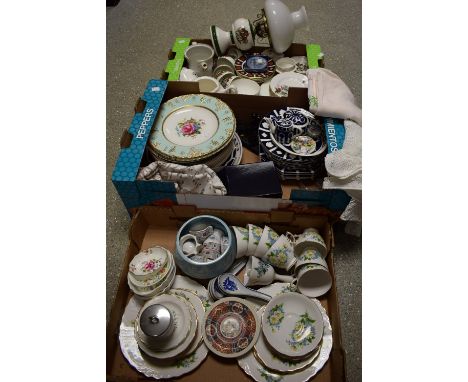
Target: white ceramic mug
{"x":313,"y":280}
{"x":281,"y":254}
{"x":310,"y":238}
{"x":189,"y":244}
{"x":211,"y":85}
{"x":310,"y":256}
{"x":200,"y":58}
{"x":267,"y":240}
{"x":242,"y":240}
{"x":258,"y":272}
{"x":255,"y":233}
{"x":246,"y":86}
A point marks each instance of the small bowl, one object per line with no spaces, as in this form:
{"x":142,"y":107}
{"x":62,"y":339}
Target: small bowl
{"x":147,"y":264}
{"x":211,"y":268}
{"x":313,"y":280}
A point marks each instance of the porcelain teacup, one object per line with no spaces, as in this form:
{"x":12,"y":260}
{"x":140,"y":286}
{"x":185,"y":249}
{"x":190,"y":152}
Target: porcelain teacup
{"x":200,"y":58}
{"x":242,"y":239}
{"x":209,"y":84}
{"x":313,"y":280}
{"x":285,"y":64}
{"x":189,"y":244}
{"x":281,"y":254}
{"x":267,"y":239}
{"x":255,"y":233}
{"x":258,"y":272}
{"x":246,"y":86}
{"x":201,"y":232}
{"x":310,"y":256}
{"x":310,"y":238}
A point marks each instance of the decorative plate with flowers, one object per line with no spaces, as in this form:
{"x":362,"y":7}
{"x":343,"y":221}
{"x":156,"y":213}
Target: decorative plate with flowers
{"x":190,"y":127}
{"x":303,"y":332}
{"x":275,"y":317}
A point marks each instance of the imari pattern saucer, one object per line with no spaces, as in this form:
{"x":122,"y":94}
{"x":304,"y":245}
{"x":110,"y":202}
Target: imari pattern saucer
{"x":259,"y":71}
{"x":192,"y":127}
{"x":231,"y":327}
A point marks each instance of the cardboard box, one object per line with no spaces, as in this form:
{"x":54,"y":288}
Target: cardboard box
{"x":133,"y":154}
{"x":153,"y":225}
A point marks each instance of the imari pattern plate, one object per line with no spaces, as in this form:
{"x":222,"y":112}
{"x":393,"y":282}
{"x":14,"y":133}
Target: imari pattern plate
{"x":192,"y":127}
{"x":231,"y":327}
{"x":260,"y":74}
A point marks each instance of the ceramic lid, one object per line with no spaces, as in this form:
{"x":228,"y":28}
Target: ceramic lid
{"x":155,"y":320}
{"x":146,"y":264}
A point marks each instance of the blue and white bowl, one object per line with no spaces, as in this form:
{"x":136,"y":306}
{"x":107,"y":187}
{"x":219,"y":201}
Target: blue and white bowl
{"x":213,"y":268}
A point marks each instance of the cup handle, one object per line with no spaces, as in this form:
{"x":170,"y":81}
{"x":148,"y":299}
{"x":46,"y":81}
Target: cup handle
{"x":291,"y":237}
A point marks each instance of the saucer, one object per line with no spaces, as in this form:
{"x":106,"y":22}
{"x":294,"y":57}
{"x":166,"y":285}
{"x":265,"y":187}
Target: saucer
{"x":149,"y":367}
{"x":181,"y":319}
{"x":292,"y":324}
{"x":231,"y":327}
{"x":260,"y":373}
{"x":149,"y":264}
{"x":281,"y":83}
{"x":156,"y":281}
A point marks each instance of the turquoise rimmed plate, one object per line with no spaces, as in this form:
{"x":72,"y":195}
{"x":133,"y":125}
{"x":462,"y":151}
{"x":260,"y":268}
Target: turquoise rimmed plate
{"x":192,"y":127}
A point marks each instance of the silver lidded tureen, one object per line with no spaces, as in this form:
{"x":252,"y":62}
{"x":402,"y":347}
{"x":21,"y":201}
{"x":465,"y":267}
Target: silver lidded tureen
{"x":275,"y":22}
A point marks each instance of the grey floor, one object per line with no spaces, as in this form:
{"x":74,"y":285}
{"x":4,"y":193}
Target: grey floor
{"x":139,"y":35}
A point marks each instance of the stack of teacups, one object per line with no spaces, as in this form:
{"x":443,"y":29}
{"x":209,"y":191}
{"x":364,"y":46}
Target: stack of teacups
{"x":151,"y":272}
{"x":167,"y":328}
{"x":311,"y":269}
{"x":266,"y":244}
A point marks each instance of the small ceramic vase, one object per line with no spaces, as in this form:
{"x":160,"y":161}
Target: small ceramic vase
{"x":255,"y":233}
{"x":202,"y":233}
{"x":281,"y":254}
{"x":310,"y":256}
{"x":200,"y":58}
{"x":313,"y":280}
{"x":257,"y":272}
{"x":189,"y":245}
{"x":242,"y":238}
{"x":310,"y":238}
{"x":267,"y":239}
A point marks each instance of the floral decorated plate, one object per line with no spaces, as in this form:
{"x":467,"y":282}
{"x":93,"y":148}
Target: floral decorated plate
{"x":281,"y":83}
{"x":258,"y":69}
{"x":182,"y":316}
{"x":145,"y":365}
{"x":260,"y":373}
{"x":192,"y":127}
{"x":283,"y":365}
{"x":231,"y":327}
{"x":292,"y":324}
{"x":187,"y":284}
{"x":157,"y":277}
{"x":149,"y":264}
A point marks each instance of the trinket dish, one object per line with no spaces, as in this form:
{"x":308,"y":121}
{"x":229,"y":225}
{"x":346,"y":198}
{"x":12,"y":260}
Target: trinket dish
{"x":231,"y":327}
{"x":292,"y":325}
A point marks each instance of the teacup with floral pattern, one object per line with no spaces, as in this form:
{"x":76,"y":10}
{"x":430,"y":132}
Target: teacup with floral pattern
{"x":268,"y":238}
{"x":281,"y":254}
{"x":310,"y":256}
{"x":255,"y":233}
{"x":310,"y":238}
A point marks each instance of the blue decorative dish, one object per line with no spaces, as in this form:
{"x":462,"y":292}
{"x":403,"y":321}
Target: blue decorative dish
{"x":212,"y":268}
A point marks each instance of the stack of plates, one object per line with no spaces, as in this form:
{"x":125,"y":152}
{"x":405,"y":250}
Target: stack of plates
{"x":289,"y":161}
{"x":194,"y":129}
{"x":151,"y":272}
{"x":184,"y":331}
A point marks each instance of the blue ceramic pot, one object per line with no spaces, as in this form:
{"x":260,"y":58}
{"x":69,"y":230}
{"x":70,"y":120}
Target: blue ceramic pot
{"x":212,"y":268}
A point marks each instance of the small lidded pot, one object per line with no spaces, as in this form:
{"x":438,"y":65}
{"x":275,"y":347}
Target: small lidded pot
{"x":156,"y":323}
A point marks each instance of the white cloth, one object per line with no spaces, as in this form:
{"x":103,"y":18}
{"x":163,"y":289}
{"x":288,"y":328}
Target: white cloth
{"x":198,"y":179}
{"x":329,"y":96}
{"x":344,"y":168}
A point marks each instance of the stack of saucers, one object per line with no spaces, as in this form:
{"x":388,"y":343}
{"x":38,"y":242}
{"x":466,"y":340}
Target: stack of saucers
{"x":194,"y":129}
{"x":294,"y":140}
{"x":167,"y":327}
{"x":151,"y":272}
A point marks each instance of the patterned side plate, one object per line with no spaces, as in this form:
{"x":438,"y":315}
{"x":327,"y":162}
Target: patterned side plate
{"x":260,"y":373}
{"x":192,"y":127}
{"x":231,"y":327}
{"x":292,"y":324}
{"x":256,"y":76}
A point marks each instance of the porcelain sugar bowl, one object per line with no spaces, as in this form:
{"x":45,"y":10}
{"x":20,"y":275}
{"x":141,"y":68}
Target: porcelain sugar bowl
{"x":208,"y":231}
